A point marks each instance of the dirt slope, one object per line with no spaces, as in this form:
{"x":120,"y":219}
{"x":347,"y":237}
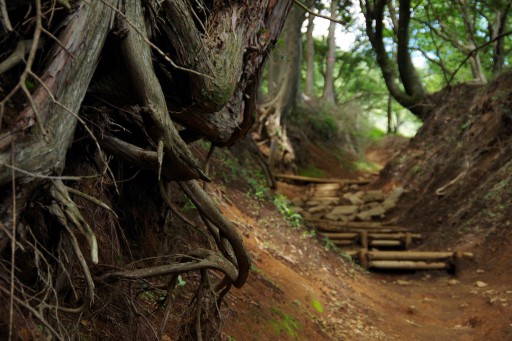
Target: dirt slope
{"x":292,"y":270}
{"x":457,"y":175}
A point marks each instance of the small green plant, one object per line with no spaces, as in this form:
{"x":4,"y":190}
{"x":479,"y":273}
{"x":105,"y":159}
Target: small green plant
{"x":188,"y":206}
{"x":309,"y":233}
{"x":285,"y":323}
{"x":30,"y":85}
{"x":415,"y":170}
{"x":317,"y":305}
{"x":181,"y":282}
{"x":282,"y":204}
{"x":256,"y":181}
{"x":231,"y":338}
{"x":328,"y":244}
{"x":233,"y":169}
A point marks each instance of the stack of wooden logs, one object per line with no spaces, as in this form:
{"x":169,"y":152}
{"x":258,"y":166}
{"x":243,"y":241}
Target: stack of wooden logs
{"x":352,"y":218}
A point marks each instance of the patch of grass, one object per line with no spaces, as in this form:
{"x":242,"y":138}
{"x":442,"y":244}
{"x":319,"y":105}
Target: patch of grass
{"x":285,"y":324}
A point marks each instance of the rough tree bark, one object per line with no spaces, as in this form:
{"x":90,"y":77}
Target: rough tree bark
{"x":271,"y":128}
{"x":310,"y":58}
{"x":328,"y":94}
{"x":140,"y":67}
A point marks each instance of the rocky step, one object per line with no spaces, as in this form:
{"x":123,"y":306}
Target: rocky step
{"x":331,"y":204}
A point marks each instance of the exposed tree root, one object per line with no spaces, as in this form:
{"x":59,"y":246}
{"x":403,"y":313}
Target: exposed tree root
{"x":220,"y":69}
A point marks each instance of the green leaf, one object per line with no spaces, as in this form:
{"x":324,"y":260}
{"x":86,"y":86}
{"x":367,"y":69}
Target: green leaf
{"x":317,"y":305}
{"x":181,"y":282}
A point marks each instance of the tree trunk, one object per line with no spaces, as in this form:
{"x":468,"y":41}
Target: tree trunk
{"x":273,"y":114}
{"x":44,"y":152}
{"x":374,"y":18}
{"x":310,"y":58}
{"x":476,"y":64}
{"x":390,"y":115}
{"x":407,"y":71}
{"x":328,"y":94}
{"x":499,"y":26}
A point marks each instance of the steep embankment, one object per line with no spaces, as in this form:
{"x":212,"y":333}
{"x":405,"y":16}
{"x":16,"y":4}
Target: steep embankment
{"x":457,"y":173}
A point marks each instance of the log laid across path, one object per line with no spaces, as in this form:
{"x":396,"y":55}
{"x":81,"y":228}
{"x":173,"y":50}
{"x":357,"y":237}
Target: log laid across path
{"x":321,"y":180}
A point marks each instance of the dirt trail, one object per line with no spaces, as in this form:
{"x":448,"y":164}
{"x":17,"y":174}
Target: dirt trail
{"x":299,"y":290}
{"x":292,"y":270}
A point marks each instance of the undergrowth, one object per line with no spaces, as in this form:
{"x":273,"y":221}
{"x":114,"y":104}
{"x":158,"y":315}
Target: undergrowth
{"x":286,"y":209}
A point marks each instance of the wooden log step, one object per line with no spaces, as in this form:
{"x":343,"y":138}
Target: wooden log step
{"x":344,"y":235}
{"x":354,"y":224}
{"x":407,"y":265}
{"x":322,"y":194}
{"x":385,"y":243}
{"x":374,"y":236}
{"x":328,"y":187}
{"x":329,"y":228}
{"x":320,"y":180}
{"x":325,"y":198}
{"x":414,"y":255}
{"x":343,"y":242}
{"x":394,"y":236}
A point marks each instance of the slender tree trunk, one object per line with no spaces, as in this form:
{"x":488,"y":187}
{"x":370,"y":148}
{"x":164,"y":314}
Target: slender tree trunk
{"x":328,"y":94}
{"x":310,"y":58}
{"x":476,"y":65}
{"x":500,"y":23}
{"x":408,"y":74}
{"x":390,"y":114}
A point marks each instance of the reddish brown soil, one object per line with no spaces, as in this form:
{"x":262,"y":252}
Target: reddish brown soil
{"x":292,"y":269}
{"x":470,"y":133}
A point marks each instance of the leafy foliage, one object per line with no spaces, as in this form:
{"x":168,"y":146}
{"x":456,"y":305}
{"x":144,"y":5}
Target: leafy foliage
{"x":287,"y":211}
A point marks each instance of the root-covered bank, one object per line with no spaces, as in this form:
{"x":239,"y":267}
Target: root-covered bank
{"x":99,"y":103}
